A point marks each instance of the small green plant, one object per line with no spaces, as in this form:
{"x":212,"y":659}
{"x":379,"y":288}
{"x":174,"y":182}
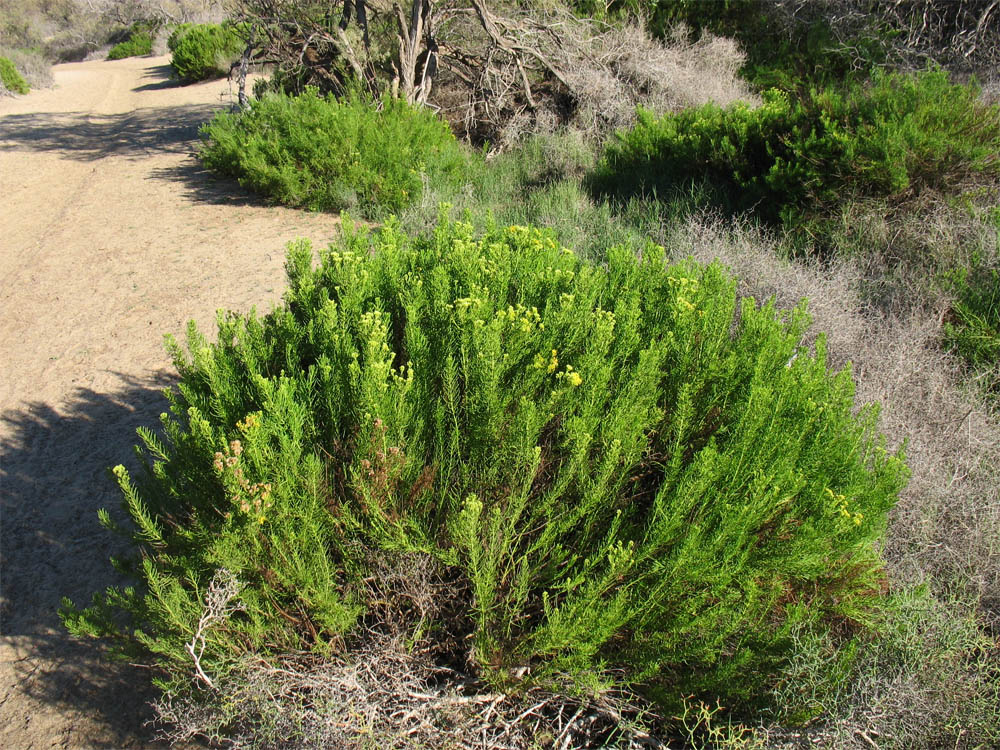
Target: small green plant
{"x":793,"y":161}
{"x":137,"y":41}
{"x":616,"y":481}
{"x":330,"y":154}
{"x":972,"y":328}
{"x":10,"y":78}
{"x":202,"y":51}
{"x":137,"y":45}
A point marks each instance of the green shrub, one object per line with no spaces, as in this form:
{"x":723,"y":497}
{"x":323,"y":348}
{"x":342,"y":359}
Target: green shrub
{"x":10,"y":78}
{"x":973,"y":325}
{"x":538,"y":182}
{"x":201,"y":51}
{"x":612,"y":477}
{"x":330,"y":154}
{"x":32,"y":64}
{"x":138,"y":44}
{"x":791,"y":160}
{"x":176,"y":34}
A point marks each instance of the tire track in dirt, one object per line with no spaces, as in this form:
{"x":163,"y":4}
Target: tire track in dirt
{"x":110,"y":236}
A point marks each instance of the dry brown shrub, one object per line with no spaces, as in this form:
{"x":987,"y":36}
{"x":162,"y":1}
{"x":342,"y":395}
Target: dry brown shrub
{"x":604,"y":73}
{"x":622,"y":68}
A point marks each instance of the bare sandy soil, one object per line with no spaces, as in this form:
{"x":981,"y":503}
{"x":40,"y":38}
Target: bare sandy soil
{"x":110,"y":236}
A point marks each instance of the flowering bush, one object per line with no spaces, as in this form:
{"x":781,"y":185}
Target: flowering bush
{"x":610,"y":478}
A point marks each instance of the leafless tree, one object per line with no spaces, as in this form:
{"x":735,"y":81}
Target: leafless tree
{"x":493,"y":68}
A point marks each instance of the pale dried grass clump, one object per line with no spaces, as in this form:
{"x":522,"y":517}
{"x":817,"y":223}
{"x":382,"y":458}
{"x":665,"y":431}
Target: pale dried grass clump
{"x":946,"y":525}
{"x":903,"y":251}
{"x":385,"y":697}
{"x":594,"y":75}
{"x":624,"y":68}
{"x":32,"y":65}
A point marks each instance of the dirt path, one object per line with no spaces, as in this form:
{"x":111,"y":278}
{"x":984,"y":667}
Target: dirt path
{"x":110,"y":236}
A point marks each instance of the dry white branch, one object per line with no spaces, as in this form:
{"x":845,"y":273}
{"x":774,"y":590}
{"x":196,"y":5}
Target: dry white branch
{"x":222,"y":590}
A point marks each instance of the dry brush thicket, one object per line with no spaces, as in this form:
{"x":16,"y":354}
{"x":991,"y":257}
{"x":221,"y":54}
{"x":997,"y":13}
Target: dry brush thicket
{"x":598,"y":75}
{"x":496,"y":71}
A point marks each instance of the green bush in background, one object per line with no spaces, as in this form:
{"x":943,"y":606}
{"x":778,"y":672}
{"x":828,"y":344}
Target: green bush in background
{"x":137,"y":41}
{"x":177,"y":34}
{"x":791,"y":160}
{"x":202,"y":51}
{"x":972,"y":328}
{"x":10,"y":78}
{"x":330,"y":154}
{"x":138,"y":44}
{"x":613,"y":478}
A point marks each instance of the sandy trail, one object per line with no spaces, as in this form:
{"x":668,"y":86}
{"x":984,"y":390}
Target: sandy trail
{"x":110,"y":236}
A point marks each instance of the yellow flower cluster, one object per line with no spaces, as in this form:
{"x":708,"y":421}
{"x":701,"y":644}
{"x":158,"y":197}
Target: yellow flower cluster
{"x":259,"y":493}
{"x":572,"y":377}
{"x":685,"y":287}
{"x":556,"y":274}
{"x":569,"y":375}
{"x":549,"y":365}
{"x":840,"y":506}
{"x":526,"y":318}
{"x":249,"y":423}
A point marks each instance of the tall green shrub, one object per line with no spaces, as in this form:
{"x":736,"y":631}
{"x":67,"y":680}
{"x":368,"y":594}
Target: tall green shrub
{"x":201,"y":51}
{"x":10,"y":78}
{"x":792,"y":159}
{"x":330,"y":154}
{"x":617,"y":477}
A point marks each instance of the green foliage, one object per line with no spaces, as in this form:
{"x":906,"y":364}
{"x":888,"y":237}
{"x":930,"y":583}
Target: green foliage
{"x":538,"y":182}
{"x":619,"y":479}
{"x":329,"y":154}
{"x":782,"y":51}
{"x":139,"y":43}
{"x":973,"y":326}
{"x":792,"y":160}
{"x":177,"y":34}
{"x":201,"y":51}
{"x":10,"y":78}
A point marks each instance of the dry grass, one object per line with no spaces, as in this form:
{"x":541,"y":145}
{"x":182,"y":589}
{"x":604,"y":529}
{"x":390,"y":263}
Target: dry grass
{"x":33,"y":66}
{"x":903,"y":251}
{"x":623,"y":68}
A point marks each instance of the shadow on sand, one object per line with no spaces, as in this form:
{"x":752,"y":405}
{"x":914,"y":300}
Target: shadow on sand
{"x":87,"y":136}
{"x":54,"y":478}
{"x":163,"y":78}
